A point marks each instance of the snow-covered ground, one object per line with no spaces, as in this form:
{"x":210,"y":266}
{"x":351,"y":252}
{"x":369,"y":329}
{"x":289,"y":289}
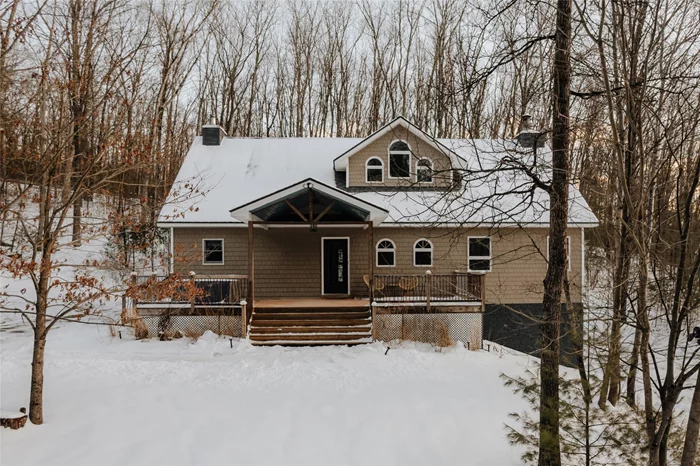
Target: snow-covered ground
{"x":111,"y":401}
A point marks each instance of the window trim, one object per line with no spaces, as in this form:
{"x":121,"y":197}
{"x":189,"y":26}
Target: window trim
{"x":376,"y":253}
{"x":408,"y":152}
{"x":415,"y":250}
{"x":432,"y":171}
{"x":568,"y":252}
{"x":204,"y":256}
{"x":489,"y":258}
{"x":374,"y":167}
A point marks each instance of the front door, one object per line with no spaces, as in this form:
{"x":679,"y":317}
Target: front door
{"x":336,"y":268}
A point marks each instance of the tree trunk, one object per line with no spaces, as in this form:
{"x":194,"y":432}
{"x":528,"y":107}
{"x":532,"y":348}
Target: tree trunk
{"x":549,"y":443}
{"x":639,"y":319}
{"x":77,"y":226}
{"x":36,"y":404}
{"x":690,"y":448}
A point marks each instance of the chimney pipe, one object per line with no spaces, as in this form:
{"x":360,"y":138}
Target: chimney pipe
{"x":212,"y":134}
{"x":529,"y":138}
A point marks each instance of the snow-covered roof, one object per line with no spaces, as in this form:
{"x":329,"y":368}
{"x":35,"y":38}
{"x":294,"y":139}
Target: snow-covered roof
{"x":216,"y":179}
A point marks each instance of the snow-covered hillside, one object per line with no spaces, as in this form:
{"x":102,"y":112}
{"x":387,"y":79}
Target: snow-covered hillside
{"x":112,"y":401}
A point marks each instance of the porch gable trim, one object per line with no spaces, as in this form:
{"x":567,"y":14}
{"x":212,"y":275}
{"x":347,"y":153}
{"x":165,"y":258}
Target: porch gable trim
{"x":244,"y":213}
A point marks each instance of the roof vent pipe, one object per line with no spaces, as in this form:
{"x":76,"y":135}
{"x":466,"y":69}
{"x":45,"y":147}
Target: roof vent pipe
{"x":529,"y":138}
{"x":212,"y":134}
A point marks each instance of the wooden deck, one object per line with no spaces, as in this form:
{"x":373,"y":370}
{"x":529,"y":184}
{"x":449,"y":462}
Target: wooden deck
{"x":310,"y":303}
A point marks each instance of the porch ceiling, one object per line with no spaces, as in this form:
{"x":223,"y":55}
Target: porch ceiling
{"x":311,"y":204}
{"x":310,"y":201}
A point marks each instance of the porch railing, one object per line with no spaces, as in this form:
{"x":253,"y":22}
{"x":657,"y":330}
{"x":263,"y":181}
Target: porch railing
{"x":212,"y":290}
{"x":428,"y":289}
{"x":175,"y":296}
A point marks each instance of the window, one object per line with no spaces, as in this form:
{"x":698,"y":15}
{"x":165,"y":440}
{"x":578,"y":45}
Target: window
{"x":399,"y":160}
{"x":386,"y":253}
{"x":374,"y":170}
{"x":479,"y":254}
{"x":424,"y":171}
{"x":213,"y":251}
{"x":568,"y":248}
{"x":423,"y":253}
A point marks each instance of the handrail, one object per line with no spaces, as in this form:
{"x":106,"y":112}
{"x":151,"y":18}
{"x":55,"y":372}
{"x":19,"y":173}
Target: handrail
{"x":429,"y":288}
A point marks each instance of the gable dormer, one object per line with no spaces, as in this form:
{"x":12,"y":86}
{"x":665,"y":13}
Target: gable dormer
{"x":398,"y":155}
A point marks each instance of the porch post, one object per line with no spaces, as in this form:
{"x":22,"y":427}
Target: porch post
{"x":370,"y":235}
{"x":251,"y":268}
{"x":482,"y":285}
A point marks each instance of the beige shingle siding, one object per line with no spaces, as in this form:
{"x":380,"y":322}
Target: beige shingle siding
{"x":380,"y":149}
{"x":288,"y":261}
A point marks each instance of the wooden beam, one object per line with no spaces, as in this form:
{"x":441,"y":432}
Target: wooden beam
{"x":334,"y":222}
{"x":297,"y":211}
{"x":251,"y":268}
{"x":370,"y":241}
{"x":311,"y":204}
{"x":325,"y":211}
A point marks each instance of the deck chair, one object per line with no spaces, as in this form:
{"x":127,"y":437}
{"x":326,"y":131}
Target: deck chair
{"x":378,"y":285}
{"x":408,"y":284}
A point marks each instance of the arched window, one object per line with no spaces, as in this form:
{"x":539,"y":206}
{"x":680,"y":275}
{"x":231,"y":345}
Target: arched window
{"x":399,"y":160}
{"x":386,"y":253}
{"x":424,"y":171}
{"x":374,"y":170}
{"x":423,"y":253}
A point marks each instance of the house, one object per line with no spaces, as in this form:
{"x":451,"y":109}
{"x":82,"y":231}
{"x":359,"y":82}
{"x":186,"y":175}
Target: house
{"x":345,"y":240}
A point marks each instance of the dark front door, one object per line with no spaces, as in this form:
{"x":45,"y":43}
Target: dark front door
{"x":335,"y":266}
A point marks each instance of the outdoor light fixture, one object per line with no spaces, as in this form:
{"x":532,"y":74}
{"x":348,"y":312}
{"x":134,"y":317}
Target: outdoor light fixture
{"x":309,"y":185}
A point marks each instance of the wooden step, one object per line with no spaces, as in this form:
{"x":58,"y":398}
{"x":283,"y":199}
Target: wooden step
{"x":317,"y":337}
{"x":363,"y":341}
{"x":329,"y":329}
{"x":311,"y":315}
{"x":334,"y":310}
{"x":306,"y":322}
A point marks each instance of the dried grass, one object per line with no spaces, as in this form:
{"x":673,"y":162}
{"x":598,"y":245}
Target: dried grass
{"x":444,"y":339}
{"x":171,"y":335}
{"x":140,"y":329}
{"x":131,"y":317}
{"x":192,"y":334}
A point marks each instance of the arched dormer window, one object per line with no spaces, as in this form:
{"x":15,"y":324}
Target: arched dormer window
{"x":424,"y":171}
{"x":399,"y":160}
{"x":423,"y":253}
{"x":386,"y":253}
{"x":374,"y":170}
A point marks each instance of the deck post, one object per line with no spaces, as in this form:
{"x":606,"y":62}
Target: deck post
{"x":482,"y":285}
{"x":192,"y":275}
{"x":370,"y":247}
{"x":370,"y":253}
{"x":428,"y":283}
{"x":244,"y":319}
{"x":251,"y":267}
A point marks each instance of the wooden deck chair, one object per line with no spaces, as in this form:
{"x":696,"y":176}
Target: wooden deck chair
{"x":378,"y":285}
{"x":408,"y":284}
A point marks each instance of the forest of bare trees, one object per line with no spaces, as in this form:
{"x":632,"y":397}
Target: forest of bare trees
{"x":104,"y":97}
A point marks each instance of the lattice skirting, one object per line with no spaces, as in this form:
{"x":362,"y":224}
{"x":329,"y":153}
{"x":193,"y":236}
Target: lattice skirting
{"x":435,"y":328}
{"x":192,"y":325}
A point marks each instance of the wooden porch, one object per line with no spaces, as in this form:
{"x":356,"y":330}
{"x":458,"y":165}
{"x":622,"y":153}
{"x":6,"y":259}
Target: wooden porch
{"x":304,"y":320}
